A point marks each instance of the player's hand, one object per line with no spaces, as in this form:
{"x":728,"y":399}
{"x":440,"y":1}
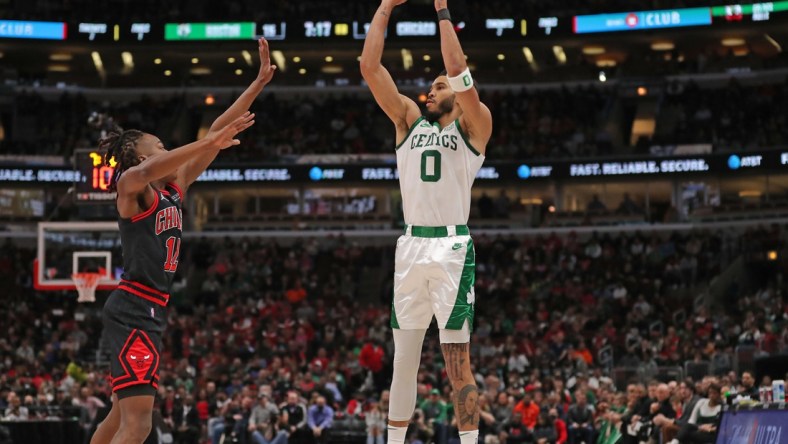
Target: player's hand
{"x":266,"y":68}
{"x":225,"y":137}
{"x":441,"y":4}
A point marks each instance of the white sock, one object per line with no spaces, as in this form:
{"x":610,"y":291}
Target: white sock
{"x":397,"y":435}
{"x":469,"y":437}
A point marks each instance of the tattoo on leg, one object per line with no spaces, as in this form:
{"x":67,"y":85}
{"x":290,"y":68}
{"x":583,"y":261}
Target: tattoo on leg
{"x":454,"y":355}
{"x":467,"y":405}
{"x":466,"y":398}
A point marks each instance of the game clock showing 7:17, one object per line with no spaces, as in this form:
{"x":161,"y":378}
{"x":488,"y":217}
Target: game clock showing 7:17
{"x":96,"y":177}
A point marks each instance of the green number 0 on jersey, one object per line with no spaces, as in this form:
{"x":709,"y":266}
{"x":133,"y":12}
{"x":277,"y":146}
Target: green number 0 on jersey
{"x":436,"y":166}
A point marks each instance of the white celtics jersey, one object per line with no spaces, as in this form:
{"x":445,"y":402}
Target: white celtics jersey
{"x":436,"y":171}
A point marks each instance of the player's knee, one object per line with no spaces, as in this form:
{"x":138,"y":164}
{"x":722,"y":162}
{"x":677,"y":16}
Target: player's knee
{"x":140,"y":432}
{"x":137,"y":427}
{"x":402,"y":354}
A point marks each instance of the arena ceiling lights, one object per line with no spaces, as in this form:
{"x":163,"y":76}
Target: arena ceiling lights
{"x":407,"y":59}
{"x":98,"y":64}
{"x":740,"y":51}
{"x":528,"y":54}
{"x":662,"y":46}
{"x":331,"y":69}
{"x":128,"y":62}
{"x":247,"y":57}
{"x":60,"y":57}
{"x":593,"y":50}
{"x":279,"y":60}
{"x":773,"y":42}
{"x":732,"y":41}
{"x":58,"y":68}
{"x":200,"y":71}
{"x":560,"y":55}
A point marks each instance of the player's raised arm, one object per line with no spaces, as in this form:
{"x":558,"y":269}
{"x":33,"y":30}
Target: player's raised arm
{"x":476,"y":118}
{"x":192,"y":170}
{"x":136,"y":178}
{"x":401,"y":110}
{"x":242,"y":104}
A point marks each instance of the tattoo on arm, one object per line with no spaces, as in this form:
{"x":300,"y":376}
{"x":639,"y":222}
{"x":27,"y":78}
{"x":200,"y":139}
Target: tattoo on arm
{"x":384,"y":13}
{"x":467,"y":405}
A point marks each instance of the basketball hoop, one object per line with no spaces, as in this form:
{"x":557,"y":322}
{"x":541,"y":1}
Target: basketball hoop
{"x":86,"y":284}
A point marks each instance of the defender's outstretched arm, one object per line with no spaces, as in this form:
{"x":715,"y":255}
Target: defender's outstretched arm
{"x":191,"y":170}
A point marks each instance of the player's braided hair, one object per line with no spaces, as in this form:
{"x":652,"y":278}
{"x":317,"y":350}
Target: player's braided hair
{"x":121,"y":145}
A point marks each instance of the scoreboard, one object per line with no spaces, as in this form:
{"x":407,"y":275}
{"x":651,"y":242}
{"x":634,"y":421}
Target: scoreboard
{"x":337,"y":30}
{"x":756,"y":12}
{"x":95,"y":177}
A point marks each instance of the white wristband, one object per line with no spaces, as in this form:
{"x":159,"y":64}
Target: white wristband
{"x":462,"y":82}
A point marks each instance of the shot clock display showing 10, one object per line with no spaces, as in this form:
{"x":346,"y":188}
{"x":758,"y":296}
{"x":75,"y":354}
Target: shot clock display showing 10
{"x":96,"y":176}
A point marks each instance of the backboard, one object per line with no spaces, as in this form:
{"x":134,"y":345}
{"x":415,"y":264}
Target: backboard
{"x":65,"y":248}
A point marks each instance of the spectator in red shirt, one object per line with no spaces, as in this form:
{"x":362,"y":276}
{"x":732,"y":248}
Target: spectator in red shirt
{"x":203,"y":405}
{"x":529,"y":410}
{"x":371,"y":358}
{"x":297,"y":293}
{"x":560,"y":427}
{"x":356,"y":405}
{"x":582,"y":352}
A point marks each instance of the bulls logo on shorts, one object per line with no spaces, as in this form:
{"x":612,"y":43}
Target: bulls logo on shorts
{"x":140,"y":361}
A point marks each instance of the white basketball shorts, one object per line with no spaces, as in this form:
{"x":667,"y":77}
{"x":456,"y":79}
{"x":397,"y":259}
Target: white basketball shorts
{"x":434,"y":274}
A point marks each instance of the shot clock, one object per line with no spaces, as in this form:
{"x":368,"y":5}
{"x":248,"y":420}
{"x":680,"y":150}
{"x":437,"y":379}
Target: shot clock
{"x":94,"y":186}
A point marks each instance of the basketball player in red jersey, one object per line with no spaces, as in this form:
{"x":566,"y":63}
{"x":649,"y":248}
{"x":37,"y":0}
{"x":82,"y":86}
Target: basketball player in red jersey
{"x":151,"y":182}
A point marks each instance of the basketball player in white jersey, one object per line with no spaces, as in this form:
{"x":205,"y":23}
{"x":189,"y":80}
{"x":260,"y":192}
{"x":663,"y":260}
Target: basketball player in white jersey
{"x":438,"y":156}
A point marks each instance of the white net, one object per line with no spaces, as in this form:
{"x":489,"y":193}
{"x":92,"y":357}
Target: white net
{"x":86,"y":284}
